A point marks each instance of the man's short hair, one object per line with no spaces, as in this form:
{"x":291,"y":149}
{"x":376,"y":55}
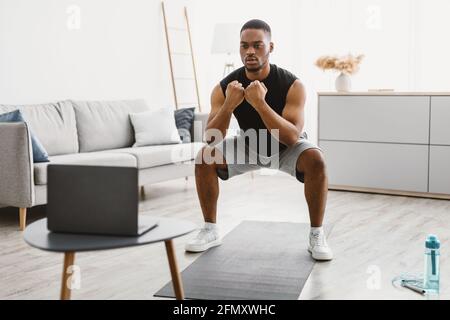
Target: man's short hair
{"x":257,"y":24}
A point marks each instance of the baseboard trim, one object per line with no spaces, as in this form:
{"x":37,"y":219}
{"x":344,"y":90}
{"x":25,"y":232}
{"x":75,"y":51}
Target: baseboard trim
{"x":390,"y":192}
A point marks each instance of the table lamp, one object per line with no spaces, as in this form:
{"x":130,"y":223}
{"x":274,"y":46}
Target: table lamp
{"x":226,"y":41}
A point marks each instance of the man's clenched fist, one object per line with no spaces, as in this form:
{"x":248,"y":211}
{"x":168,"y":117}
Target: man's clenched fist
{"x":255,"y":93}
{"x":234,"y":94}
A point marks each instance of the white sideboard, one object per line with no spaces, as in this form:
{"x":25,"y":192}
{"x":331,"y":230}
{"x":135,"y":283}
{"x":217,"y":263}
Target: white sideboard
{"x":395,"y":143}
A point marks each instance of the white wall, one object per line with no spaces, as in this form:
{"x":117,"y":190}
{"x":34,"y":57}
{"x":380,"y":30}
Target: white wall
{"x":119,"y":51}
{"x":432,"y":49}
{"x":379,"y":29}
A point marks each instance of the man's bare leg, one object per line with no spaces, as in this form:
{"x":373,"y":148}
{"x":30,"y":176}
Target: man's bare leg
{"x":207,"y":181}
{"x":312,"y":164}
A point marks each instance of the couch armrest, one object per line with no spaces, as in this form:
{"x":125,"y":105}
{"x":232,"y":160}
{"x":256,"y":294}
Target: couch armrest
{"x":16,"y":165}
{"x":199,"y":127}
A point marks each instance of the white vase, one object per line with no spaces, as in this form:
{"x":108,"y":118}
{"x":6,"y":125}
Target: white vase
{"x":343,"y":83}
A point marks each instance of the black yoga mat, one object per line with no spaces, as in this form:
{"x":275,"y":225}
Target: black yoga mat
{"x":257,"y":261}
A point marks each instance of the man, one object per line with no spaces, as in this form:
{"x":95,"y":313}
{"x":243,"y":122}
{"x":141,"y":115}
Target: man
{"x":267,"y":98}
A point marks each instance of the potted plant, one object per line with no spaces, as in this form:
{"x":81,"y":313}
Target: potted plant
{"x":347,"y":65}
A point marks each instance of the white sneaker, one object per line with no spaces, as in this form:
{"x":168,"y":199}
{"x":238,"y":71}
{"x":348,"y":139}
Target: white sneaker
{"x":318,"y":246}
{"x":205,"y":239}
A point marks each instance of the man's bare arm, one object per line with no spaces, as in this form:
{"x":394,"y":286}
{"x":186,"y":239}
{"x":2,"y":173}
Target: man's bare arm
{"x":222,"y":107}
{"x":290,"y":124}
{"x":294,"y":110}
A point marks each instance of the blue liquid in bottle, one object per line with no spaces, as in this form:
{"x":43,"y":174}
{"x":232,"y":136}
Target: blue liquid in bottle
{"x":431,"y":272}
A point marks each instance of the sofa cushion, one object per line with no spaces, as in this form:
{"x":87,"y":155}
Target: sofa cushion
{"x":153,"y":156}
{"x":88,"y":158}
{"x":104,"y":125}
{"x":53,"y":123}
{"x":154,"y":127}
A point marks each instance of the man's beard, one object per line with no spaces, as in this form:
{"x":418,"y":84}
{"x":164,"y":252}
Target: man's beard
{"x":255,"y":69}
{"x":259,"y":67}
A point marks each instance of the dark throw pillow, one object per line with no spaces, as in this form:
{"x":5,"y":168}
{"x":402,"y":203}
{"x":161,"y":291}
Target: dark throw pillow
{"x":39,"y":152}
{"x":184,"y":119}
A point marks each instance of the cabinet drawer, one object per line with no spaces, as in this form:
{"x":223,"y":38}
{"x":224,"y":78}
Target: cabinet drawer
{"x":440,"y":169}
{"x":440,"y":120}
{"x":401,"y":119}
{"x":377,"y":165}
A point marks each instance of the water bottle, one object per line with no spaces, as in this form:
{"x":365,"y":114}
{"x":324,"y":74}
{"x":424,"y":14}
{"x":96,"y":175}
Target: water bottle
{"x":431,"y":272}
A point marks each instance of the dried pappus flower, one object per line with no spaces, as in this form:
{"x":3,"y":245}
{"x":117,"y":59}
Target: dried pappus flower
{"x":347,"y":64}
{"x":326,"y":62}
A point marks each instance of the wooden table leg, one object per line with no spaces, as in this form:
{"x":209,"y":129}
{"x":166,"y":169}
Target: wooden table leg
{"x":176,"y":277}
{"x":69,"y":258}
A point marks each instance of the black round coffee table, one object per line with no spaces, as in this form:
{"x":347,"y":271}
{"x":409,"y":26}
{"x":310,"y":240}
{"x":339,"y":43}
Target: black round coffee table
{"x":37,"y":235}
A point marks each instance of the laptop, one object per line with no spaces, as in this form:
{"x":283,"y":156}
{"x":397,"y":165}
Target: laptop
{"x":94,"y":200}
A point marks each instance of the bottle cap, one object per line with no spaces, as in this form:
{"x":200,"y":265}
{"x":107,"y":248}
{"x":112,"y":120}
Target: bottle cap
{"x":432,"y":242}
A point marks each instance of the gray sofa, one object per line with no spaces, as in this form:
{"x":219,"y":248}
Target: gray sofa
{"x":85,"y":133}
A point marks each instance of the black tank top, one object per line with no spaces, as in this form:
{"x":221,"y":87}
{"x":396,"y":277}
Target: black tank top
{"x":278,"y":83}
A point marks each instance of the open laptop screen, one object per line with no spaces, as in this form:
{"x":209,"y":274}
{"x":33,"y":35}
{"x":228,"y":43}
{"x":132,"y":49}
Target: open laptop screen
{"x":92,"y":199}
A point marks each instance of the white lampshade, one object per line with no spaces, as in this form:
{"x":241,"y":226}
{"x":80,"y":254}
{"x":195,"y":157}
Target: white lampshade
{"x":226,"y":38}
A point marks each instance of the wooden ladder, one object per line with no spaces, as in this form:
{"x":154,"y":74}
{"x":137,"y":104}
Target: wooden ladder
{"x":179,"y":81}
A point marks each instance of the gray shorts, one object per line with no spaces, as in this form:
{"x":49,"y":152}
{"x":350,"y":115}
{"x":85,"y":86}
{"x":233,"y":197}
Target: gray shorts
{"x":241,"y":159}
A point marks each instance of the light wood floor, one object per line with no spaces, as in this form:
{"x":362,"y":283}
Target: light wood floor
{"x":374,"y":237}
